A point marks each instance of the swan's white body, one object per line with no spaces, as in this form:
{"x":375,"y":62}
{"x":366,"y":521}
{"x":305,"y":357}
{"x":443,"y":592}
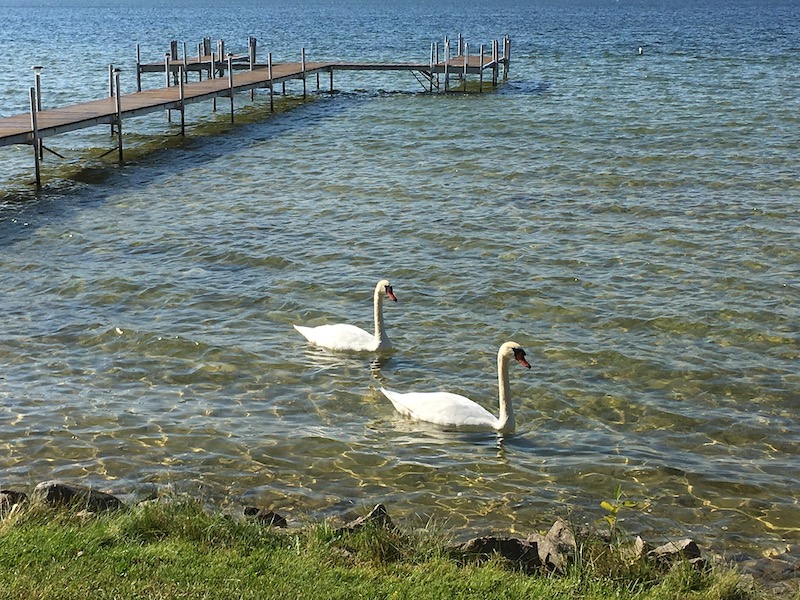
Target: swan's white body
{"x":344,"y":337}
{"x":452,"y":410}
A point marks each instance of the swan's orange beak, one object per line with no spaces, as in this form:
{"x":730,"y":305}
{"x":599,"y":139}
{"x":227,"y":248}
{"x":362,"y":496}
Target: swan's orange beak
{"x":519,"y":354}
{"x":390,"y":293}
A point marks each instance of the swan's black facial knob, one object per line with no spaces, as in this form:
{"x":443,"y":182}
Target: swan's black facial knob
{"x":519,"y":355}
{"x":390,"y":293}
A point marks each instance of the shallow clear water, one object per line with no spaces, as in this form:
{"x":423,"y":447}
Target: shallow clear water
{"x":630,"y":219}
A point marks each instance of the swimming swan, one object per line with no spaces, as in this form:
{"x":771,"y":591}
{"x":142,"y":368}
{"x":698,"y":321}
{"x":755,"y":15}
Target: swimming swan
{"x":349,"y":337}
{"x":452,"y":410}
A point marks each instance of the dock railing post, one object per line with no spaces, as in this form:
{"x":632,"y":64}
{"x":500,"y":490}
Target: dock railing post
{"x":118,"y":97}
{"x":36,"y":140}
{"x":466,"y":64}
{"x":37,"y":82}
{"x":432,"y":66}
{"x":138,"y":69}
{"x":111,"y":88}
{"x":446,"y":63}
{"x":173,"y":51}
{"x":200,"y":62}
{"x":166,"y":70}
{"x":182,"y":92}
{"x":331,"y":72}
{"x":213,"y":75}
{"x":185,"y":63}
{"x":495,"y":61}
{"x":480,"y":73}
{"x":271,"y":83}
{"x":230,"y":81}
{"x":251,"y":47}
{"x":303,"y":68}
{"x":460,"y":49}
{"x":506,"y":56}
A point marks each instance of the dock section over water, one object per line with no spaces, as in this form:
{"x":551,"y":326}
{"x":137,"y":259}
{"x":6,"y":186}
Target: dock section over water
{"x":227,"y":74}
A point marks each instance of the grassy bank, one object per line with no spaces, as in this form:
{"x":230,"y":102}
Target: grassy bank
{"x":178,"y":550}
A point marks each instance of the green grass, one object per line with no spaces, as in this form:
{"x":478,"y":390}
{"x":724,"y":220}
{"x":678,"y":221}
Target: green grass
{"x":178,"y":550}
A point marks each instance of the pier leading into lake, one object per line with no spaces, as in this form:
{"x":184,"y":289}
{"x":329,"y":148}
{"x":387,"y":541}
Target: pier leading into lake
{"x":221,"y":74}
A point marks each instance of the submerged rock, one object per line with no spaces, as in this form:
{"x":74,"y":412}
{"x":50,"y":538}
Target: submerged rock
{"x":58,"y":493}
{"x":377,"y":516}
{"x":264,"y":516}
{"x":9,"y":499}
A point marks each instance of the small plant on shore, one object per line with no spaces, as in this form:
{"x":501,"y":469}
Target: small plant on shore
{"x":613,"y":509}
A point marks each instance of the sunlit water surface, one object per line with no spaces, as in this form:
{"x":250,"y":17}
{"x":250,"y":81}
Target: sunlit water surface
{"x":631,"y":220}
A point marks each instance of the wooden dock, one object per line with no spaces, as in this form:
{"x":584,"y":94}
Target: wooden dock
{"x":226,"y":75}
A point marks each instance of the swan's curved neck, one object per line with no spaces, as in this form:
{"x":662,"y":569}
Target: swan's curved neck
{"x":380,"y":331}
{"x":506,"y":418}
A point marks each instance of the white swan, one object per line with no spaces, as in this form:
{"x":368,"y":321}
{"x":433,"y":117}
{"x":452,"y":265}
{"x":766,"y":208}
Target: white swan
{"x":452,"y":410}
{"x":349,"y":337}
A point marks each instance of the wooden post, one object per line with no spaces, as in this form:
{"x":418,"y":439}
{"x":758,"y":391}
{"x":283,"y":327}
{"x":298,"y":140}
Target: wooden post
{"x":138,"y":69}
{"x":35,"y":129}
{"x":118,"y":97}
{"x":331,"y":70}
{"x":303,"y":68}
{"x":480,"y":73}
{"x":460,"y":50}
{"x":182,"y":93}
{"x":200,"y":62}
{"x":271,"y":83}
{"x":230,"y":81}
{"x":317,"y":81}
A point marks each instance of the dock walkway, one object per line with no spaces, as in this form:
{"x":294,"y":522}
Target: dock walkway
{"x":32,"y":128}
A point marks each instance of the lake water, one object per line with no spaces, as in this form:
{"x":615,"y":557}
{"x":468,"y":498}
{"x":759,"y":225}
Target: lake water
{"x":630,"y":219}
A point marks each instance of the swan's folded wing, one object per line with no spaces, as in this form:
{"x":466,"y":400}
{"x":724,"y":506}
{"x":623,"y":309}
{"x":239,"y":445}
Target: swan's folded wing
{"x":339,"y":337}
{"x":441,"y":408}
